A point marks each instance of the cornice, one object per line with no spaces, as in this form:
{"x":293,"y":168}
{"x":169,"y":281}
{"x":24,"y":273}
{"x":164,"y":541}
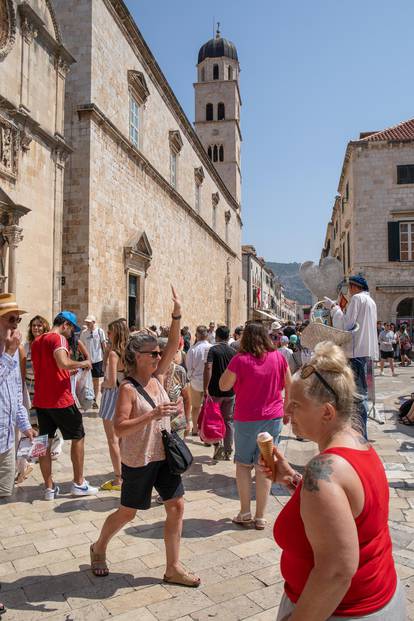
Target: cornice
{"x":54,"y":45}
{"x":97,"y":116}
{"x":22,"y":119}
{"x":127,"y":25}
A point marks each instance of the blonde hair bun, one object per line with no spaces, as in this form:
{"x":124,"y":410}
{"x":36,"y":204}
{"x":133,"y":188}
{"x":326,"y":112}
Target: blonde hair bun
{"x":329,"y":357}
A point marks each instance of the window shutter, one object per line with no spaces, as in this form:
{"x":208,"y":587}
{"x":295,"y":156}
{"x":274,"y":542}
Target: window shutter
{"x":393,"y":241}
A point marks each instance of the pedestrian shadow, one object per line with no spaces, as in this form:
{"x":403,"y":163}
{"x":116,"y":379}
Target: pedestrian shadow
{"x":193,"y":528}
{"x":29,"y":594}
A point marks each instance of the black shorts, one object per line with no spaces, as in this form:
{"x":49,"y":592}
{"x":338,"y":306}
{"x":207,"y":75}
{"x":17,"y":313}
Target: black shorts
{"x":67,"y":420}
{"x":137,"y":484}
{"x":97,"y":369}
{"x":387,"y":354}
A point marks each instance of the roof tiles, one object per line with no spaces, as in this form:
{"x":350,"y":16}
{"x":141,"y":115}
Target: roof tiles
{"x":402,"y":131}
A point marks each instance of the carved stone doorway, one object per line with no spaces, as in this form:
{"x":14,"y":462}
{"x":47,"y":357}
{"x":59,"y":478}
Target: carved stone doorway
{"x":137,"y":258}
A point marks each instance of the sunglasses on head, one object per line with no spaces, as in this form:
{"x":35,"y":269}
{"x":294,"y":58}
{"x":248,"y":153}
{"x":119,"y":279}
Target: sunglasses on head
{"x":14,"y":319}
{"x":153,"y":354}
{"x":309,"y":370}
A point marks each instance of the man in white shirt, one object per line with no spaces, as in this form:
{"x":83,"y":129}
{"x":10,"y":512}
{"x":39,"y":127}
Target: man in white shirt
{"x":287,"y":353}
{"x":195,"y":362}
{"x":94,"y":340}
{"x":361,"y":310}
{"x":211,"y":333}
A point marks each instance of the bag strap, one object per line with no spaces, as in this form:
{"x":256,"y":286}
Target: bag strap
{"x":141,"y":391}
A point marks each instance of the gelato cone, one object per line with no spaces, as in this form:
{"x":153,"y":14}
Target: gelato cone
{"x":265,"y":444}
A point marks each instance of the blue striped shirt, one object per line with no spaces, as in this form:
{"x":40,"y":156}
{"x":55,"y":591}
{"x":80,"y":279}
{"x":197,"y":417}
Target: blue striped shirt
{"x":12,"y":411}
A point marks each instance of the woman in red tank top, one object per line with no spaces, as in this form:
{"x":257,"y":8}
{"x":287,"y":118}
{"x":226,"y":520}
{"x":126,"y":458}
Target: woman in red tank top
{"x":336,"y":548}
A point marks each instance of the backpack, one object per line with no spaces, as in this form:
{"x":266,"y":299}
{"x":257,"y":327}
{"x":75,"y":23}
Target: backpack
{"x":211,"y":425}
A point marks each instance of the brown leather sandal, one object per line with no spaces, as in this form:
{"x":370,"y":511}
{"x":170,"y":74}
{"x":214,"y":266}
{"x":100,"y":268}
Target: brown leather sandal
{"x":183,"y":579}
{"x":99,"y":566}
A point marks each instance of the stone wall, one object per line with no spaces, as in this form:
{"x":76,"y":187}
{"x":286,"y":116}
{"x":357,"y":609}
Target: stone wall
{"x":32,"y":78}
{"x":375,"y":199}
{"x":114,"y":191}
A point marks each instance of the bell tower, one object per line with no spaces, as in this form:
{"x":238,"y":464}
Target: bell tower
{"x":217,"y":109}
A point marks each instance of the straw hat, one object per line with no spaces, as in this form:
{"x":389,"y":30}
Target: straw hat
{"x":8,"y":304}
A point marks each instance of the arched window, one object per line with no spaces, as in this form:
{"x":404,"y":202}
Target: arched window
{"x":203,"y":74}
{"x":229,"y":73}
{"x":209,"y":112}
{"x":221,"y":153}
{"x":210,"y":153}
{"x":221,"y":113}
{"x":215,"y":153}
{"x":215,"y":72}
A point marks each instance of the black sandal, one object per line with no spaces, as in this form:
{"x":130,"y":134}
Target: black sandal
{"x":404,"y":420}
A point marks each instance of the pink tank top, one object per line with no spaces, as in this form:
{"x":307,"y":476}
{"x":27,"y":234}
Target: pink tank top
{"x":145,"y":445}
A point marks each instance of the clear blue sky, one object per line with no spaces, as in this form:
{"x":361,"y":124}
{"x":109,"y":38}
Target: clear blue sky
{"x":314,"y":74}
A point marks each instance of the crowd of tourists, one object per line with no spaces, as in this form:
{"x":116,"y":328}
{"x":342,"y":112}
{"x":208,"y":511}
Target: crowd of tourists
{"x":145,"y":383}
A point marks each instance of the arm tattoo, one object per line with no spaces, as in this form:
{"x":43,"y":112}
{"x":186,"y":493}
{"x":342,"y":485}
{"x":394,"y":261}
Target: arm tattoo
{"x":318,"y":468}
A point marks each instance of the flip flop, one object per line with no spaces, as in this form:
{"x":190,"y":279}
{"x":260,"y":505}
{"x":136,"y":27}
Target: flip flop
{"x":260,"y":523}
{"x":404,"y":420}
{"x":98,"y":563}
{"x":110,"y":486}
{"x":183,"y":579}
{"x":244,"y":519}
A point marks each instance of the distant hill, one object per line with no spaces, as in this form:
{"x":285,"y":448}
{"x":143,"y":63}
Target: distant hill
{"x":288,"y":274}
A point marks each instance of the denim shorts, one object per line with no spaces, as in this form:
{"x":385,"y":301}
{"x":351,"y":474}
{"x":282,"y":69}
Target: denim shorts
{"x":245,"y":438}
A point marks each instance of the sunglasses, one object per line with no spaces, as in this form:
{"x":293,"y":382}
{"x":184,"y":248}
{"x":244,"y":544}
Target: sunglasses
{"x":153,"y":354}
{"x":309,"y":370}
{"x":14,"y":319}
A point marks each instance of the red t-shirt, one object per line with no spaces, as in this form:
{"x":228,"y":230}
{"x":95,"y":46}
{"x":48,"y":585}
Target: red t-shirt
{"x":52,"y":385}
{"x":259,"y":382}
{"x":375,"y":581}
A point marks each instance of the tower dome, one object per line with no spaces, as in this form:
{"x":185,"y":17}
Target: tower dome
{"x":216,"y":48}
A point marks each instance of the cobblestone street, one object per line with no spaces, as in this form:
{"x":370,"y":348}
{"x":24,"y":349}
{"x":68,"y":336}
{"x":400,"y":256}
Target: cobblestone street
{"x":44,"y":549}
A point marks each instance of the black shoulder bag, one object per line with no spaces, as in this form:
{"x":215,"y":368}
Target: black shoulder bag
{"x":177,"y":453}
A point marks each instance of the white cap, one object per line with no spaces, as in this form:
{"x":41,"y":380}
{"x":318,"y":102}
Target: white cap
{"x":90,"y":319}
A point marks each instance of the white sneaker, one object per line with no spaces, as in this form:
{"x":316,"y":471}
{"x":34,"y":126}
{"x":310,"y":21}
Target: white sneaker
{"x":83,"y":490}
{"x":51,"y":494}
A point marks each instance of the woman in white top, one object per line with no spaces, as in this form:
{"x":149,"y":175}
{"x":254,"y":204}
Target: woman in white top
{"x":114,"y":374}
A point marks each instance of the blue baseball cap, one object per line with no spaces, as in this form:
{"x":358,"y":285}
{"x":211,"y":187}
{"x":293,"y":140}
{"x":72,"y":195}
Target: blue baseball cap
{"x":71,"y":318}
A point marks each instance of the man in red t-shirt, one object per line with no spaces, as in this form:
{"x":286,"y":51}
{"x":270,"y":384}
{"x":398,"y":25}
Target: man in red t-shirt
{"x":54,"y":402}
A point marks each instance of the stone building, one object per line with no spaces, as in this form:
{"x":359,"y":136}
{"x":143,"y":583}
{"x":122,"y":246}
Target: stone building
{"x":372,"y":224}
{"x":33,"y":152}
{"x":145,"y":205}
{"x":265,"y":297}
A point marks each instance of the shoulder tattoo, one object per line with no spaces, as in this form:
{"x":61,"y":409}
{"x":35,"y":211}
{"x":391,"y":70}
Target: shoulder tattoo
{"x":319,"y":468}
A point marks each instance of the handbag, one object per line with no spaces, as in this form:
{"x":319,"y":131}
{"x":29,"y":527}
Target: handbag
{"x":178,"y":455}
{"x":211,"y":426}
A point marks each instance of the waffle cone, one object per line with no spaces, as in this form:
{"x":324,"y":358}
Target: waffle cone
{"x":266,"y":451}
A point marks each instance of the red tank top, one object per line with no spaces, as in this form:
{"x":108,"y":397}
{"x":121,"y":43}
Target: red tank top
{"x":375,"y":581}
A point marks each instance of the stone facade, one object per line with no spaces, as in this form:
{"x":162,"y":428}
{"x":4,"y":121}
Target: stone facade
{"x":144,"y":205}
{"x":371,"y":206}
{"x":265,"y":297}
{"x":33,"y":68}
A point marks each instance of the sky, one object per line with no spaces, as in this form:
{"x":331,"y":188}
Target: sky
{"x":313,"y":75}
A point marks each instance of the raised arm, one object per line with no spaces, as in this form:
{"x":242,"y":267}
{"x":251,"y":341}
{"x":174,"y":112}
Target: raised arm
{"x":173,"y":337}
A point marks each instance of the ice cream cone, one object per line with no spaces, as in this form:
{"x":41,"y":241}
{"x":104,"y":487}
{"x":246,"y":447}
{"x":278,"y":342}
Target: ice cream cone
{"x":266,"y":451}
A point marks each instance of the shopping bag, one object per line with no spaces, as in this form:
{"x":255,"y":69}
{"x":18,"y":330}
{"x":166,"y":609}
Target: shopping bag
{"x":211,"y":427}
{"x":84,"y":389}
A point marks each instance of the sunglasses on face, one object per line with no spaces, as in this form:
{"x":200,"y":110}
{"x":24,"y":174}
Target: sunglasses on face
{"x":14,"y":319}
{"x":153,"y":354}
{"x":309,"y":370}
